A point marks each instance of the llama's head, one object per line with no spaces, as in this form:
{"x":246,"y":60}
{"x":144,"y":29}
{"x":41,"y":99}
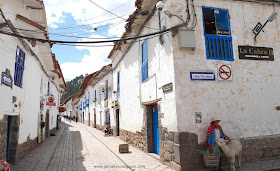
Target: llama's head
{"x":221,"y":142}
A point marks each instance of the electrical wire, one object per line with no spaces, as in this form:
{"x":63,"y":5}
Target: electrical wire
{"x":94,"y":17}
{"x":89,"y":25}
{"x":78,"y":33}
{"x":90,"y":42}
{"x":113,"y":45}
{"x":117,"y":15}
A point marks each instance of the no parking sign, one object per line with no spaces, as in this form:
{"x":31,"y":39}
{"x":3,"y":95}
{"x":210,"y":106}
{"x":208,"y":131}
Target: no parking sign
{"x":224,"y":72}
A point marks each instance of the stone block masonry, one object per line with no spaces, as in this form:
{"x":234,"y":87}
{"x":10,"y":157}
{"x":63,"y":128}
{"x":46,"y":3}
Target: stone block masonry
{"x":135,"y":139}
{"x":26,"y":147}
{"x":3,"y":137}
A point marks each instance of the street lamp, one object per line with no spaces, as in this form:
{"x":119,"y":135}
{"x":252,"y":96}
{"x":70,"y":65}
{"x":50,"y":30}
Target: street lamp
{"x":258,"y":28}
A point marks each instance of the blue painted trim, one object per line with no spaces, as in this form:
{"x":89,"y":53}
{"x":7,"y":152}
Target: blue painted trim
{"x":229,"y":38}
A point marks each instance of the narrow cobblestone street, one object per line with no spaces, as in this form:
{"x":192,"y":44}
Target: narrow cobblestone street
{"x":79,"y":147}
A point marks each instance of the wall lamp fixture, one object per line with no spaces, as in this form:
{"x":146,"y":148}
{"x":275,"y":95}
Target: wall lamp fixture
{"x":259,"y":27}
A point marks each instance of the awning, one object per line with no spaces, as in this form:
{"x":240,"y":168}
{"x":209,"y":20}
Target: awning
{"x":62,"y":109}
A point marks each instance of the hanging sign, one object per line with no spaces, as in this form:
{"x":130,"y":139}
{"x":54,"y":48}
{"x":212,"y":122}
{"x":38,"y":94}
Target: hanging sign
{"x":224,"y":73}
{"x":50,"y":101}
{"x":202,"y":76}
{"x":7,"y":79}
{"x":256,"y":53}
{"x":167,"y":87}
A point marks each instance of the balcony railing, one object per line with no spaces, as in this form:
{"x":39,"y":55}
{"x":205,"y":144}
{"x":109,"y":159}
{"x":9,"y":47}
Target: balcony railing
{"x":219,"y":47}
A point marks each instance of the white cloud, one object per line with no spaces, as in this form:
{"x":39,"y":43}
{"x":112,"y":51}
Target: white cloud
{"x":83,"y":10}
{"x":90,"y":63}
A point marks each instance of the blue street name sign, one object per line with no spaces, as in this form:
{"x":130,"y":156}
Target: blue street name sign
{"x":202,"y":76}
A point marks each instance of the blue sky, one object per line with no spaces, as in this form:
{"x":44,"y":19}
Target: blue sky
{"x":78,"y":18}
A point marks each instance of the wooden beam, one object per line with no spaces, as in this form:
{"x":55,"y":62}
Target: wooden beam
{"x":33,"y":23}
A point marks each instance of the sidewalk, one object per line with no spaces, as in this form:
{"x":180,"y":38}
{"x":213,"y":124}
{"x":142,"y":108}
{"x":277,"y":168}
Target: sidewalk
{"x":79,"y":147}
{"x":39,"y":158}
{"x":136,"y":159}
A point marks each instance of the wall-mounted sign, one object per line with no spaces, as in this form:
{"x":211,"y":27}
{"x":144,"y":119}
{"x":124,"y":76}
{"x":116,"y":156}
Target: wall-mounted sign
{"x":7,"y":79}
{"x":224,"y":73}
{"x":198,"y":118}
{"x":167,"y":87}
{"x":202,"y":76}
{"x":256,"y":53}
{"x":50,"y":101}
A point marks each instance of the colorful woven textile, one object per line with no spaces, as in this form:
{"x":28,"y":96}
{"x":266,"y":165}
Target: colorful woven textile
{"x":211,"y":160}
{"x":210,"y":130}
{"x":4,"y":165}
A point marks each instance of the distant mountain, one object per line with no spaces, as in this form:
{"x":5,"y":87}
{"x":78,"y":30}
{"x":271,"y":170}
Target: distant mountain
{"x":73,"y":87}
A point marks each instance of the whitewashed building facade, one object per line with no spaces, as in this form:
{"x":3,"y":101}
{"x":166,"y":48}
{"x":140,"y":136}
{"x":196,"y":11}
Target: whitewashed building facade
{"x":31,"y":80}
{"x":212,"y":64}
{"x":97,"y":98}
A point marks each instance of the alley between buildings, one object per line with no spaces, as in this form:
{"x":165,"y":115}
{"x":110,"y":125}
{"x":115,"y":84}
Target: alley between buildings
{"x":79,"y":147}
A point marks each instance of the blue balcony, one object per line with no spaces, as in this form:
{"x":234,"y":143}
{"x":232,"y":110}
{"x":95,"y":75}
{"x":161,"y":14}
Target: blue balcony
{"x":219,"y":47}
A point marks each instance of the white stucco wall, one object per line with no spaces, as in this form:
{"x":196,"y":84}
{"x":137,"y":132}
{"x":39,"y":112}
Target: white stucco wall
{"x":34,"y":82}
{"x":98,"y":105}
{"x":245,"y":105}
{"x":160,"y":72}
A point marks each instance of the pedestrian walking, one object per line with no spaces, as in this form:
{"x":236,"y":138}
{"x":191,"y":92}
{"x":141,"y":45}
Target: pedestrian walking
{"x":76,"y":117}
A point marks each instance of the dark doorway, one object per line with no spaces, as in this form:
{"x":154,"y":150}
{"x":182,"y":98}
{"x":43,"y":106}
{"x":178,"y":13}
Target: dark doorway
{"x":83,"y":117}
{"x":12,"y":138}
{"x":152,"y":129}
{"x":88,"y":119}
{"x":94,"y":124}
{"x":47,"y":128}
{"x":117,"y":122}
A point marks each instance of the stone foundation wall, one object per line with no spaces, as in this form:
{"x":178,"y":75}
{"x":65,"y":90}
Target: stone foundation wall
{"x":26,"y":147}
{"x":254,"y":149}
{"x":3,"y":137}
{"x":98,"y":127}
{"x":260,"y":148}
{"x":135,"y":139}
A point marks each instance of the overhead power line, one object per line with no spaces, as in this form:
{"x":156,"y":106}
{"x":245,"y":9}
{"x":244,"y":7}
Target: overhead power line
{"x":91,"y":42}
{"x":117,"y":15}
{"x":91,"y":18}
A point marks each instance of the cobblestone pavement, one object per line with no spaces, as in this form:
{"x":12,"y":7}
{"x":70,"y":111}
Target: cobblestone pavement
{"x":79,"y":147}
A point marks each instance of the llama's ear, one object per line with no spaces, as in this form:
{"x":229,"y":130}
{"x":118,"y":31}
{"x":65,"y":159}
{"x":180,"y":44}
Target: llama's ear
{"x":227,"y":141}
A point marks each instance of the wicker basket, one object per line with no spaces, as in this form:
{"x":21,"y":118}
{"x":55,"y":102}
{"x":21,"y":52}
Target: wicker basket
{"x":211,"y":160}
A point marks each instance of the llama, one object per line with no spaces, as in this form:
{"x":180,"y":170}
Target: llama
{"x":233,"y":149}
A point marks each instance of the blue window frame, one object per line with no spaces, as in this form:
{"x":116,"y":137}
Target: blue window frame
{"x":19,"y":67}
{"x":118,"y":84}
{"x":144,"y":67}
{"x":218,"y":40}
{"x":107,"y":93}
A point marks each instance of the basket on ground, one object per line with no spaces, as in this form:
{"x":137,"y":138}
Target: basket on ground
{"x":211,"y":160}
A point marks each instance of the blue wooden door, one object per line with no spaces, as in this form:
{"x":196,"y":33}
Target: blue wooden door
{"x":8,"y":135}
{"x":155,"y":131}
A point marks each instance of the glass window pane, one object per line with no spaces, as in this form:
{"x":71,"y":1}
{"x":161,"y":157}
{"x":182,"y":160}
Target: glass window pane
{"x":222,"y":22}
